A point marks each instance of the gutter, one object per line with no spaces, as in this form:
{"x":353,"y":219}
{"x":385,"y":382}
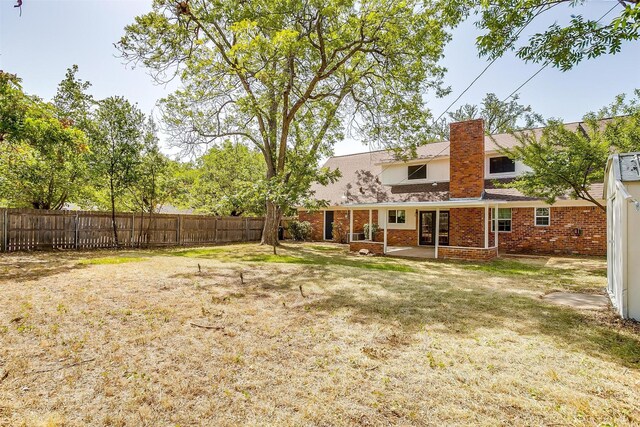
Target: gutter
{"x":450,"y":203}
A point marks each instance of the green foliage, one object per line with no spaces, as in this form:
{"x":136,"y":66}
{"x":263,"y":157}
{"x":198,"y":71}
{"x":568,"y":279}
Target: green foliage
{"x":373,"y":227}
{"x":340,"y":232}
{"x":286,"y":76}
{"x":563,"y":46}
{"x":300,"y":230}
{"x":118,"y":141}
{"x":159,"y":180}
{"x":13,"y":107}
{"x":117,"y":145}
{"x":499,"y":116}
{"x":566,"y":161}
{"x":43,"y":158}
{"x":227,"y":181}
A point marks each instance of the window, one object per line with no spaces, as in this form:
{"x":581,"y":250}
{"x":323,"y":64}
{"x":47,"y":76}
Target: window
{"x":504,"y":220}
{"x":397,"y":217}
{"x":501,"y":165}
{"x":543,"y":216}
{"x":417,"y":172}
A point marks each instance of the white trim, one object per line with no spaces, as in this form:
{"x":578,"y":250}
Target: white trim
{"x":486,"y":226}
{"x":437,"y":232}
{"x":474,"y":248}
{"x":496,"y":233}
{"x":497,"y":221}
{"x":386,"y":215}
{"x":396,"y":221}
{"x":535,"y":216}
{"x":415,"y":205}
{"x":499,"y":174}
{"x":371,"y":225}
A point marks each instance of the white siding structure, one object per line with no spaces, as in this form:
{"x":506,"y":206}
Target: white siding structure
{"x":622,"y":193}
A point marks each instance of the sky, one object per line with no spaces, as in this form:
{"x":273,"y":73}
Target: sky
{"x":52,"y":35}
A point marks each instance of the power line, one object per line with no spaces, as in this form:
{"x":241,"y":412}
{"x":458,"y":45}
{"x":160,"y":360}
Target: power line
{"x":547,"y":63}
{"x":513,"y":40}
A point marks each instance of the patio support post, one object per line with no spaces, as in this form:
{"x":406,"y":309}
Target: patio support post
{"x":386,"y":219}
{"x":370,"y":223}
{"x":350,"y":225}
{"x":437,"y":231}
{"x":486,"y":226}
{"x":495,"y":233}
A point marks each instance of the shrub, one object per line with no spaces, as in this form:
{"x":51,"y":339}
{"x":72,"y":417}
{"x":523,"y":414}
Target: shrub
{"x":374,"y":229}
{"x":300,"y":230}
{"x":340,"y":234}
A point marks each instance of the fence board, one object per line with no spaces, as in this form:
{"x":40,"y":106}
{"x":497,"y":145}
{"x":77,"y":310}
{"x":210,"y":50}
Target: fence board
{"x":29,"y":229}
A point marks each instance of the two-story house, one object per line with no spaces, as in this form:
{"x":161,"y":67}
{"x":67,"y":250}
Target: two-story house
{"x":448,"y":199}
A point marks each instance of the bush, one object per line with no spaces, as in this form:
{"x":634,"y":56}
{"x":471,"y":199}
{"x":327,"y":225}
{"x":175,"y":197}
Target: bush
{"x":374,"y":229}
{"x":300,"y":230}
{"x":340,"y":234}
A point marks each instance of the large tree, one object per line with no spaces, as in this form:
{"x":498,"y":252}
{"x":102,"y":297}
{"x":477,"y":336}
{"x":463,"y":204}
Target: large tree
{"x":43,"y":158}
{"x":117,"y":146}
{"x":285,"y":75}
{"x":568,"y":160}
{"x":503,"y":24}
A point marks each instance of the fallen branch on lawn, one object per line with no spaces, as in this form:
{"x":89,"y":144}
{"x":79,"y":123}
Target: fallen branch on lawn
{"x":216,"y":328}
{"x":301,"y":293}
{"x":82,"y":362}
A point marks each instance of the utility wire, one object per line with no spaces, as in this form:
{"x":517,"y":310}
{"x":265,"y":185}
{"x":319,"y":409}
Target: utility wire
{"x":547,"y":63}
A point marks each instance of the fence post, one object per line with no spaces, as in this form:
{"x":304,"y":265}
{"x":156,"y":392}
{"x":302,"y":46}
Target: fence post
{"x":5,"y":237}
{"x":246,"y":229}
{"x":75,"y":231}
{"x":133,"y":230}
{"x":215,"y":230}
{"x":179,"y":231}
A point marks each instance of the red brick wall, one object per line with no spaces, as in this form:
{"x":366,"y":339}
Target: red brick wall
{"x":360,"y":218}
{"x":466,"y":227}
{"x":466,"y":166}
{"x":474,"y":254}
{"x":373,"y":247}
{"x":317,"y":223}
{"x":401,"y":237}
{"x":557,"y":238}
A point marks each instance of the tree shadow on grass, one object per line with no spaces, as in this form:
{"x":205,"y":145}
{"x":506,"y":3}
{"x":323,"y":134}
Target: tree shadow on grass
{"x":416,"y":303}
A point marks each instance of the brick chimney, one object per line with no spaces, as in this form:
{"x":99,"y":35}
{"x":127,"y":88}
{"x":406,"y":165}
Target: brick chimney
{"x":466,"y":165}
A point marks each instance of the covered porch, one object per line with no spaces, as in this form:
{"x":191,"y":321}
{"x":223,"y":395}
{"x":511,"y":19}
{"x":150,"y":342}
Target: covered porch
{"x":455,"y":229}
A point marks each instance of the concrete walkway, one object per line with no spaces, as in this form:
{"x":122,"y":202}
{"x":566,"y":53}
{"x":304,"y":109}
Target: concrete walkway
{"x":579,"y":301}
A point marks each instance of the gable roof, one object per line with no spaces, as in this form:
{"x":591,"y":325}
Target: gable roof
{"x":360,"y":180}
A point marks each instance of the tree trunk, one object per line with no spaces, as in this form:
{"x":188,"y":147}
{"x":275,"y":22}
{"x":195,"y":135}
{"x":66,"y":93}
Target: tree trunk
{"x":113,"y":217}
{"x":271,"y":224}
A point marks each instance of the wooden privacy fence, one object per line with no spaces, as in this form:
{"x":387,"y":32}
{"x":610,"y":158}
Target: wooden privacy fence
{"x":29,"y":229}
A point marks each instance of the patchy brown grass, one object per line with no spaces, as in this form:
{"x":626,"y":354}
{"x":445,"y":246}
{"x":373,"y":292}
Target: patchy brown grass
{"x":153,"y":339}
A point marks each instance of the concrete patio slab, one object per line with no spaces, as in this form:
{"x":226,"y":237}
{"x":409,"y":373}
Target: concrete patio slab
{"x":579,"y":301}
{"x":412,"y":251}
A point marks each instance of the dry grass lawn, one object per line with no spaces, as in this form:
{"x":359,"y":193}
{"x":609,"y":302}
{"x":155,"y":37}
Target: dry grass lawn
{"x":173,"y":338}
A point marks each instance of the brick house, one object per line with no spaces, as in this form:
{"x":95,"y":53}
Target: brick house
{"x":449,"y":202}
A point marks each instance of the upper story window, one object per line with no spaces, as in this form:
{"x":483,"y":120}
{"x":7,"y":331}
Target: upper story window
{"x":397,"y":216}
{"x":501,"y":165}
{"x":417,"y":172}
